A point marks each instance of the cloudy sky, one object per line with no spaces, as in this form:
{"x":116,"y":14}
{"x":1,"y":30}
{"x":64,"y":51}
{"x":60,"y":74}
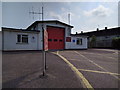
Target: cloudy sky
{"x":84,"y":16}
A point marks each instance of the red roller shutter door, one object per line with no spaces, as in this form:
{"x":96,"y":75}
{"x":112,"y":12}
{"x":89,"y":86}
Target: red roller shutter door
{"x":55,"y":38}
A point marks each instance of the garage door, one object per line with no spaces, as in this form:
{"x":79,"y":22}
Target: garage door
{"x":55,"y":38}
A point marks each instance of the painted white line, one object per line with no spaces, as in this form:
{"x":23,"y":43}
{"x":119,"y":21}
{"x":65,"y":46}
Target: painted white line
{"x":99,"y":72}
{"x":101,"y":55}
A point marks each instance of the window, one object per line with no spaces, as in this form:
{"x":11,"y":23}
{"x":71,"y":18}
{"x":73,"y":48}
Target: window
{"x":79,"y":41}
{"x":19,"y":38}
{"x":50,"y":40}
{"x":55,"y":40}
{"x":60,"y":40}
{"x":22,"y":38}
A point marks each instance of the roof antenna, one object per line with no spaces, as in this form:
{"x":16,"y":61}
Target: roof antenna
{"x":39,"y":14}
{"x":69,"y":16}
{"x":31,"y":12}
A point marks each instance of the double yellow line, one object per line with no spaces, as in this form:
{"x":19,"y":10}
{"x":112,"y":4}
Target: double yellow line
{"x":85,"y":82}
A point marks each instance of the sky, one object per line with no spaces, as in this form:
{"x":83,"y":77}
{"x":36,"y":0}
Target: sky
{"x":84,"y":16}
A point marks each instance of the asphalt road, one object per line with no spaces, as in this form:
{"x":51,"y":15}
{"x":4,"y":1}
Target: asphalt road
{"x":98,"y":66}
{"x":22,"y":70}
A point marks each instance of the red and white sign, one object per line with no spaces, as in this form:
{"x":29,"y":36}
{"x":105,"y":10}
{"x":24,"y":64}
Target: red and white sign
{"x":45,"y":40}
{"x":68,"y":39}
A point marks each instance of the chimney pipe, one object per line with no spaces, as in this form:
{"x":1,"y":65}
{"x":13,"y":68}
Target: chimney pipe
{"x":81,"y":31}
{"x":97,"y":29}
{"x":105,"y":28}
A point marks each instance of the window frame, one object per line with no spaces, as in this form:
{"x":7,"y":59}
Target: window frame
{"x":79,"y":41}
{"x":22,"y":39}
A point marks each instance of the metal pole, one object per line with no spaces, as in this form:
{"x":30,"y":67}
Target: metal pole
{"x":45,"y":61}
{"x":43,"y":45}
{"x":69,"y":18}
{"x":44,"y":50}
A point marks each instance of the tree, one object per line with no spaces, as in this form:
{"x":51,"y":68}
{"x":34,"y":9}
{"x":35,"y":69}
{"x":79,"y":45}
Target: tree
{"x":93,"y":41}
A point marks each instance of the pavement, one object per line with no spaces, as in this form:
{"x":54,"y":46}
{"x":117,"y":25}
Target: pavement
{"x":92,"y":68}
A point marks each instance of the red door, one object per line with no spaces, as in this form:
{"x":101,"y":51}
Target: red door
{"x":55,"y":38}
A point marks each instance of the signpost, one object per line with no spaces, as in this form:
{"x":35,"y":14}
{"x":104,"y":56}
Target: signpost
{"x":45,"y":40}
{"x":45,"y":48}
{"x":45,"y":44}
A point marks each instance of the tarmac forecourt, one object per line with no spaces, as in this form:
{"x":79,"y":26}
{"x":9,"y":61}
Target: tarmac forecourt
{"x":106,"y":71}
{"x":19,"y":75}
{"x":84,"y":82}
{"x":93,"y":64}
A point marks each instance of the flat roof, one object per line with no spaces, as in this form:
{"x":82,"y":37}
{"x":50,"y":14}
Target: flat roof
{"x":14,"y":29}
{"x":103,"y":32}
{"x":78,"y":35}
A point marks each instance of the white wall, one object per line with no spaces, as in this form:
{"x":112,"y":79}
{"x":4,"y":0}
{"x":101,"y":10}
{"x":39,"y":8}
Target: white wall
{"x":10,"y":41}
{"x":73,"y":45}
{"x":0,"y":40}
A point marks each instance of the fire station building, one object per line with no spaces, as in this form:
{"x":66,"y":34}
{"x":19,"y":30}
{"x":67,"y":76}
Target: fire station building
{"x":59,"y":37}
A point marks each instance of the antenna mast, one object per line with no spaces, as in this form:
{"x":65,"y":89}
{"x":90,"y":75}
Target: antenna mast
{"x":69,"y":18}
{"x":69,"y":15}
{"x":36,"y":13}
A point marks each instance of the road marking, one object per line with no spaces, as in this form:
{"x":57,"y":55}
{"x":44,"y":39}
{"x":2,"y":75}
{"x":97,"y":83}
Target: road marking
{"x":96,"y":64}
{"x":84,"y":60}
{"x":79,"y":74}
{"x":98,"y":72}
{"x":53,"y":52}
{"x":100,"y":55}
{"x":73,"y":60}
{"x":105,"y":50}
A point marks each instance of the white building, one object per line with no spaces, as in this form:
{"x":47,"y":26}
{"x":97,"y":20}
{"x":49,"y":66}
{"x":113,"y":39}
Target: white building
{"x":59,"y":37}
{"x":0,"y":40}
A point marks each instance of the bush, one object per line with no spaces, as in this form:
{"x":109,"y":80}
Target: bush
{"x":93,"y":41}
{"x":116,"y":42}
